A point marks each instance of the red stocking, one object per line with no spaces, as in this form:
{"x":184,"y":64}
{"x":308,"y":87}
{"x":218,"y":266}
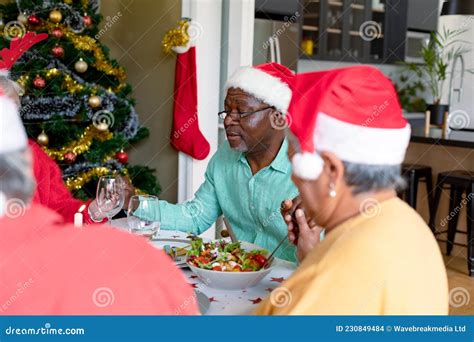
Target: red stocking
{"x":186,"y":136}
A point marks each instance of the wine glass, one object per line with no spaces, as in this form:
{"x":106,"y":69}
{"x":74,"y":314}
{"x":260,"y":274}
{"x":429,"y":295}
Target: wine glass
{"x":110,"y":196}
{"x":140,"y":215}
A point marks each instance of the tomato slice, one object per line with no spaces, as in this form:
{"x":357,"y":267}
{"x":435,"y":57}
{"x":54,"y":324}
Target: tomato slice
{"x":260,"y":259}
{"x":217,"y":268}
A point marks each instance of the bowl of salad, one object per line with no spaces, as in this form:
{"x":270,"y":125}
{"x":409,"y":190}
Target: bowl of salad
{"x":226,"y":265}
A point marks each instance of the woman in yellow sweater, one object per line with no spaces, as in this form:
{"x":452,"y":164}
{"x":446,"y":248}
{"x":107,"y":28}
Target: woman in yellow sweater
{"x":378,"y":255}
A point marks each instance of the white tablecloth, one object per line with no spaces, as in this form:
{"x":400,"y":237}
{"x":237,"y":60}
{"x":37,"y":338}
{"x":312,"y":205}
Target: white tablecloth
{"x":229,"y":302}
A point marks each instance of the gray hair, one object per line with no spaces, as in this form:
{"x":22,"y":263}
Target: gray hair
{"x":16,"y":178}
{"x":11,"y":89}
{"x":367,"y":178}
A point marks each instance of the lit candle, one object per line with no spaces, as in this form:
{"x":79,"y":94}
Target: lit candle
{"x":78,"y":217}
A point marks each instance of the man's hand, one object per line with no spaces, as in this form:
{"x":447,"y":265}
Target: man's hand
{"x":301,"y":234}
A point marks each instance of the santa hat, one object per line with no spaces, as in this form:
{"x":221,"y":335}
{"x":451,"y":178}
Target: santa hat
{"x":12,"y":133}
{"x":269,"y":83}
{"x":353,"y":112}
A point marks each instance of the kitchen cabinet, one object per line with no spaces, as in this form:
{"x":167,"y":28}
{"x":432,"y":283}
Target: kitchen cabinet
{"x":366,"y":31}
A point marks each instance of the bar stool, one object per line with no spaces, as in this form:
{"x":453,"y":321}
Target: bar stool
{"x":413,"y":174}
{"x":459,"y":182}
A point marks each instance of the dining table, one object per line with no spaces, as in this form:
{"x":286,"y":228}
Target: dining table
{"x":214,"y":301}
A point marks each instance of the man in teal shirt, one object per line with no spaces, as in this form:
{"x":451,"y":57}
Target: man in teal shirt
{"x":250,"y":175}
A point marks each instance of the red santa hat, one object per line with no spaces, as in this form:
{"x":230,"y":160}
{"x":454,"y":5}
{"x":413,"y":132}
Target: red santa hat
{"x":353,"y":112}
{"x":270,"y":83}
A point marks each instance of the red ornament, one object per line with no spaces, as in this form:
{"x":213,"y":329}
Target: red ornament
{"x":39,"y":82}
{"x":33,"y":19}
{"x":87,"y":20}
{"x":57,"y":33}
{"x":57,"y":51}
{"x":122,"y":157}
{"x":70,"y":157}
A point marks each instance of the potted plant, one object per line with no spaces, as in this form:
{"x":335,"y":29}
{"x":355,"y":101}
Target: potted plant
{"x":443,"y":48}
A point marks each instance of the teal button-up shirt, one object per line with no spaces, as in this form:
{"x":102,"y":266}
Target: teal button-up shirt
{"x":251,"y":203}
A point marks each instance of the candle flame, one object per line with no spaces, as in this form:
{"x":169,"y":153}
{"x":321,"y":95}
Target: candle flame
{"x":81,"y":209}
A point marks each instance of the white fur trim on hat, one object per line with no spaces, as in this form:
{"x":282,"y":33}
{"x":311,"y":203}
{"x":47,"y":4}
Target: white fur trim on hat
{"x":263,"y":86}
{"x":12,"y":133}
{"x":307,"y":165}
{"x":361,"y":144}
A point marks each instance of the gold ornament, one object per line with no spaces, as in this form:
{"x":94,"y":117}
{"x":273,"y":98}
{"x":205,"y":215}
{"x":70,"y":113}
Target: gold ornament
{"x":22,"y":18}
{"x":55,"y":16}
{"x":75,"y":183}
{"x":176,"y":37}
{"x":95,"y":101}
{"x":81,"y":145}
{"x":81,"y":66}
{"x":43,"y":139}
{"x":85,"y":43}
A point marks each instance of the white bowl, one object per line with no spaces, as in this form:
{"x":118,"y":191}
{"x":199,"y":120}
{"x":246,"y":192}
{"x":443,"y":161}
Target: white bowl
{"x":231,"y":280}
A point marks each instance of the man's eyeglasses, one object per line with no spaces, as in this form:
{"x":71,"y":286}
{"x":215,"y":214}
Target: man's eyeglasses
{"x":240,"y":115}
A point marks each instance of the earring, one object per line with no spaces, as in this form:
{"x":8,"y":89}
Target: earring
{"x":332,"y":191}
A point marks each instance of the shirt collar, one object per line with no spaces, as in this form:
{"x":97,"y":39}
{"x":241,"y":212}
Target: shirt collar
{"x":280,"y":163}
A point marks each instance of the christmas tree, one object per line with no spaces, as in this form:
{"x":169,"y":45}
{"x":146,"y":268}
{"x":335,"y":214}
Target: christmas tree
{"x":76,"y":101}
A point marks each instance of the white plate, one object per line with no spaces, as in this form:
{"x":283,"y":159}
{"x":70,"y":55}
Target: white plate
{"x":180,"y":243}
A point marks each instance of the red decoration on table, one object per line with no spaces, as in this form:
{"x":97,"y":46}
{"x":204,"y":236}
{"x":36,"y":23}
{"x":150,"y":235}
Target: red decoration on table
{"x":278,"y":280}
{"x":193,"y":276}
{"x":212,"y":299}
{"x":39,"y":82}
{"x":194,"y":285}
{"x":70,"y":157}
{"x":57,"y":33}
{"x":256,"y":300}
{"x":269,"y":289}
{"x":122,"y":157}
{"x":34,"y":19}
{"x":87,"y":20}
{"x":186,"y":135}
{"x":57,"y":51}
